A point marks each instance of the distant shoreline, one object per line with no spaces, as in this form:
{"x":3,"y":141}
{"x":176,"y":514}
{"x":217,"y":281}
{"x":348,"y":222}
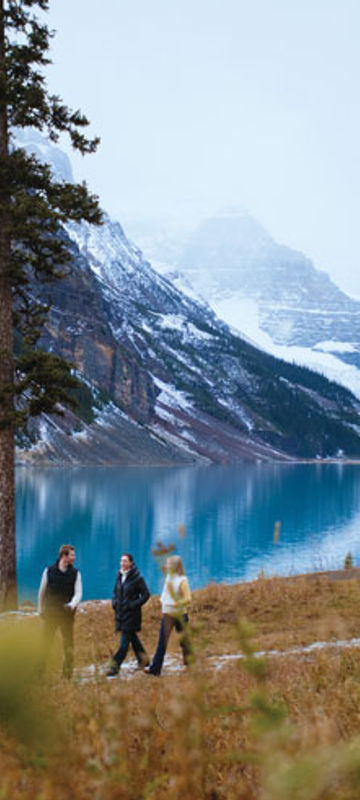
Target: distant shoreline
{"x":287,"y":462}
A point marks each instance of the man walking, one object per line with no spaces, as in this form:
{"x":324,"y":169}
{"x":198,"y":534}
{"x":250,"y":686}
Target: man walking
{"x":60,"y":593}
{"x":130,"y":593}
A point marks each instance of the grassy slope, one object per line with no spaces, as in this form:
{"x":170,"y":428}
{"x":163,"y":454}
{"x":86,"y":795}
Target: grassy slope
{"x":284,"y":611}
{"x":201,"y":734}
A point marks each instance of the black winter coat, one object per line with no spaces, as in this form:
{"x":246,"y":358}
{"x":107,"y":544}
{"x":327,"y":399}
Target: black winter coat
{"x":129,"y":595}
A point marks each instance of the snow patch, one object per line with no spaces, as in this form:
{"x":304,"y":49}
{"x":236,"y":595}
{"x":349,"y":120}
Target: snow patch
{"x":335,"y":347}
{"x":243,"y":316}
{"x":173,"y":664}
{"x":179,"y":323}
{"x":171,"y":396}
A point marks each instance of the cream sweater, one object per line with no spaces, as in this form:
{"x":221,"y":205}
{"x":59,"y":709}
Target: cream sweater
{"x":176,"y":595}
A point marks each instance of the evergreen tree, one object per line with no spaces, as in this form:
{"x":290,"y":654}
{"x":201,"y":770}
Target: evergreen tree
{"x":33,"y":207}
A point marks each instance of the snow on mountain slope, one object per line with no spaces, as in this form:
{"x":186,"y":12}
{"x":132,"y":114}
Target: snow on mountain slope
{"x":166,"y":381}
{"x":242,"y":314}
{"x":203,"y":384}
{"x":269,"y":293}
{"x":32,"y":141}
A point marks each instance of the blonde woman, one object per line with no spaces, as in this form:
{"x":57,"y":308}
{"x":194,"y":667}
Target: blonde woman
{"x":175,"y":602}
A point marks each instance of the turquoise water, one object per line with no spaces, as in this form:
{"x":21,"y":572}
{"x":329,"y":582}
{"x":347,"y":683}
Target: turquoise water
{"x":228,"y":514}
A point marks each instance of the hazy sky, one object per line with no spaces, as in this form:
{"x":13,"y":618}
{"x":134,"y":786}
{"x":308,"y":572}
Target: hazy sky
{"x":202,"y":104}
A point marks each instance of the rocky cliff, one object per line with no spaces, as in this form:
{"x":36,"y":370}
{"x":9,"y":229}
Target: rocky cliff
{"x":165,"y":381}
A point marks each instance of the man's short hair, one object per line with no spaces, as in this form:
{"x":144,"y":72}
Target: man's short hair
{"x":129,"y":556}
{"x":65,"y":549}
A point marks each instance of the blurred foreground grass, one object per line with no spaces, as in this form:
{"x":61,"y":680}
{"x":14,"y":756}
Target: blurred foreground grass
{"x":282,"y":728}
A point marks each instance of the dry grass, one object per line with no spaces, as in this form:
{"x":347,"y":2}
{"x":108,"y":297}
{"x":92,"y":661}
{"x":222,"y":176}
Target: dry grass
{"x":285,"y":612}
{"x":286,"y":731}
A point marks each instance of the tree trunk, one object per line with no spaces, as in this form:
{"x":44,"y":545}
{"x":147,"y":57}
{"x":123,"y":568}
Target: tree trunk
{"x":8,"y":594}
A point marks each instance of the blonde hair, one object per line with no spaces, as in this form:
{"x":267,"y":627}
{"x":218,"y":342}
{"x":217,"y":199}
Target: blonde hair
{"x":175,"y":564}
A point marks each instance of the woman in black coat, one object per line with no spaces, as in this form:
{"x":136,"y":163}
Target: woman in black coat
{"x":130,"y":593}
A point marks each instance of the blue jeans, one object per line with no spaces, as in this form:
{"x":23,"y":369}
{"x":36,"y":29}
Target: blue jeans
{"x":167,"y":624}
{"x":127,"y":638}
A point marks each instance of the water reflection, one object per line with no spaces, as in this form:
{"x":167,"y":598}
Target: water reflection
{"x":228,"y":513}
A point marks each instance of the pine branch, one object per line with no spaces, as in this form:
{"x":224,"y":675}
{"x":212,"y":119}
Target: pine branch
{"x":33,"y":205}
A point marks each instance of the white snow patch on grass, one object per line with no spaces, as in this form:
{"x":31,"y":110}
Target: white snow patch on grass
{"x":174,"y":664}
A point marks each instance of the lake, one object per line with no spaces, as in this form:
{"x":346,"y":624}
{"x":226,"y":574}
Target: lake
{"x":227,"y":513}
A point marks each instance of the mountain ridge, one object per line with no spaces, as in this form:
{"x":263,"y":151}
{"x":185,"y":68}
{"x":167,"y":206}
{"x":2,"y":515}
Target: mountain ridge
{"x":166,"y":381}
{"x":268,"y":292}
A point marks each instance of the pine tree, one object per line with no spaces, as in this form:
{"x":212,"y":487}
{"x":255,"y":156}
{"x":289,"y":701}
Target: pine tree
{"x":33,"y":250}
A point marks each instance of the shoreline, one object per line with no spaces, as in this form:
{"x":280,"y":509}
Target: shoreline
{"x":256,"y":462}
{"x":27,"y":608}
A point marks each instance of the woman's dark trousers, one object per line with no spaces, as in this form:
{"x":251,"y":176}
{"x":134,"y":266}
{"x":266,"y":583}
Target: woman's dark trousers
{"x":127,"y":638}
{"x":167,"y":624}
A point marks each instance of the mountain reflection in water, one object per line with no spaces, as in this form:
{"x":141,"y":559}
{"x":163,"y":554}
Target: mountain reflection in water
{"x":228,"y":514}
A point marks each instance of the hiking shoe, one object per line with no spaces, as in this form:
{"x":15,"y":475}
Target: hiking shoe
{"x":112,"y":671}
{"x":143,"y":661}
{"x":149,"y":671}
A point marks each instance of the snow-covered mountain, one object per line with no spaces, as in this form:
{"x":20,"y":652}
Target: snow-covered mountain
{"x":165,"y":381}
{"x":270,"y":293}
{"x":32,"y":141}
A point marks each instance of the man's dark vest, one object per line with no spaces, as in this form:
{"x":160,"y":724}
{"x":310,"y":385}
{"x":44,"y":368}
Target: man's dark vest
{"x":60,"y":587}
